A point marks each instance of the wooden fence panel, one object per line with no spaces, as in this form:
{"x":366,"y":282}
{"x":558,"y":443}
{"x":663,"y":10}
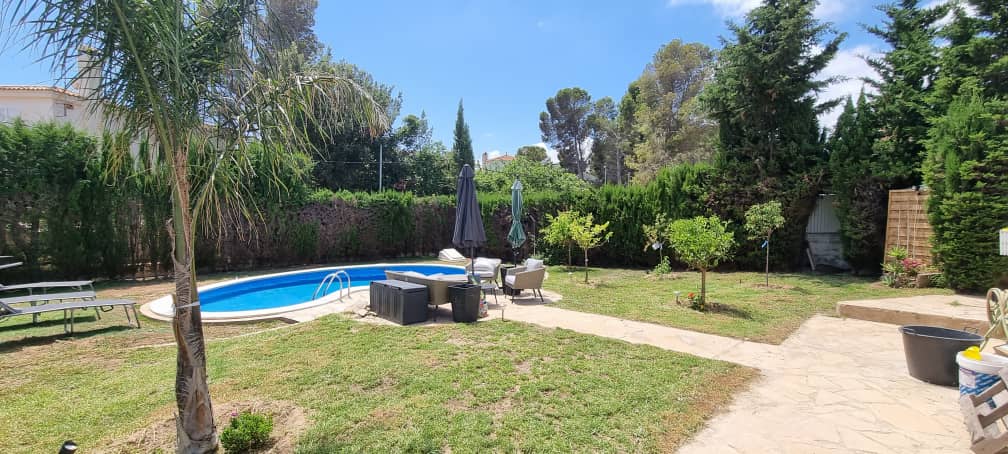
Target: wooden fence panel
{"x":907,"y":224}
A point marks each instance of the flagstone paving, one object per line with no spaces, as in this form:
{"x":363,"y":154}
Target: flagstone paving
{"x":836,"y":385}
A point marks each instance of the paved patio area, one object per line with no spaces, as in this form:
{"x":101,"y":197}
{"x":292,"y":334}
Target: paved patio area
{"x":836,"y":385}
{"x":949,"y":311}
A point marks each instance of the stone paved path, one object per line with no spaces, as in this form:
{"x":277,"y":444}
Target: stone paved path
{"x":836,"y":385}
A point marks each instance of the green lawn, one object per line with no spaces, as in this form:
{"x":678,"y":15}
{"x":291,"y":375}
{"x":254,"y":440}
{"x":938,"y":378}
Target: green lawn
{"x":496,"y":386}
{"x":747,"y":308}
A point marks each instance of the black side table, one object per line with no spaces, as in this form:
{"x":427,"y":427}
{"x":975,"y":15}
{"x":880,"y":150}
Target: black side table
{"x":504,"y":287}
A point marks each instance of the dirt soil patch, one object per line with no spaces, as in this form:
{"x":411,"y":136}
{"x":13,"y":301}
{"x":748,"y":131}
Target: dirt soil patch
{"x":289,"y":420}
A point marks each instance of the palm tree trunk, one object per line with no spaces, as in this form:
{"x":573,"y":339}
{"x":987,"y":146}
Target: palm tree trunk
{"x":194,"y":421}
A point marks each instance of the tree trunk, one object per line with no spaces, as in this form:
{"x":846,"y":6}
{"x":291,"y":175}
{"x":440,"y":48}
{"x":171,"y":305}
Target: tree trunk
{"x":586,"y":266}
{"x":703,"y":288}
{"x":767,"y":270}
{"x":194,"y":421}
{"x":570,"y":260}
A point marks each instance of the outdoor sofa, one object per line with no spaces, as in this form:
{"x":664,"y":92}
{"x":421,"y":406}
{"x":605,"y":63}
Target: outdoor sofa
{"x":68,"y":309}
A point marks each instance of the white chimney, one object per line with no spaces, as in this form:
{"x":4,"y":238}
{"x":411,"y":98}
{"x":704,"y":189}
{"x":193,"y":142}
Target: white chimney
{"x":88,"y":73}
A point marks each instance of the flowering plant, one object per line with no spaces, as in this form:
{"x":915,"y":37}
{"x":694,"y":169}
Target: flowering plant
{"x":695,"y":301}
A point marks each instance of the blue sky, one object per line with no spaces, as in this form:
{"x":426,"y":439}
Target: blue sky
{"x":505,"y":58}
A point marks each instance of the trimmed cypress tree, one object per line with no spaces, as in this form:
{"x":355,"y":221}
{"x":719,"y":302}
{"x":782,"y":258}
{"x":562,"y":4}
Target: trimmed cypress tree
{"x":861,"y":195}
{"x":967,"y":150}
{"x":764,"y":99}
{"x":462,"y":149}
{"x":967,"y":170}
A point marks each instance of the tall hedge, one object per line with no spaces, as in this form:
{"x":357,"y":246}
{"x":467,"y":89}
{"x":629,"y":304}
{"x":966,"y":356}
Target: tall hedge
{"x":967,"y":170}
{"x":62,"y":214}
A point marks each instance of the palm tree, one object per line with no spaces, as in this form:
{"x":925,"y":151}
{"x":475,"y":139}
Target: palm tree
{"x":184,"y":76}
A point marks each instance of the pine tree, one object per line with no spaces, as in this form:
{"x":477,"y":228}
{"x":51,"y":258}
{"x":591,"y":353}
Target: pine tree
{"x":860,"y":195}
{"x":764,"y":99}
{"x":906,"y":75}
{"x":462,"y":149}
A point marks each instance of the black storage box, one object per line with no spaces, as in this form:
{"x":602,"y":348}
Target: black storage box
{"x":464,"y":302}
{"x":398,"y":301}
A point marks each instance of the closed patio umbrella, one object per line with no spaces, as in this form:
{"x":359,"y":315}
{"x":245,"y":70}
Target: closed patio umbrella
{"x":516,"y":236}
{"x":469,"y":231}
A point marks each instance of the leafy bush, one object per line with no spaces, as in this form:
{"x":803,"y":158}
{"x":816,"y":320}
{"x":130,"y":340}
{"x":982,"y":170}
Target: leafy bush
{"x":246,"y":431}
{"x":663,"y":267}
{"x":533,"y":175}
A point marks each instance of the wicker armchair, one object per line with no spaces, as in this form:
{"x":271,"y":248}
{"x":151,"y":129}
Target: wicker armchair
{"x":522,"y":278}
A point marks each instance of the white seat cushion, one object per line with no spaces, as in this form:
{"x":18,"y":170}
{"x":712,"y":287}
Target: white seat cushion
{"x":533,"y":264}
{"x":509,"y":280}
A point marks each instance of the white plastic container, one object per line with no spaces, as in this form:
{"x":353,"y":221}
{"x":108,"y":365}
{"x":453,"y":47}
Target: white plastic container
{"x":976,"y":376}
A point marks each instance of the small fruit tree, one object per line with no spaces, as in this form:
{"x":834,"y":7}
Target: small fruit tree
{"x":558,"y":231}
{"x":589,"y":235}
{"x":761,"y":221}
{"x":702,"y":243}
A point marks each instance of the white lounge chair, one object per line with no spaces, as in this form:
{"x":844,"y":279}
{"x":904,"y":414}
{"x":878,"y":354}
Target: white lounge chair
{"x":451,"y":255}
{"x":47,"y":298}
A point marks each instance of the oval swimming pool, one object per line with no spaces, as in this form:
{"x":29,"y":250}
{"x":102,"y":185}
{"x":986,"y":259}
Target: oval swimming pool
{"x":271,"y":294}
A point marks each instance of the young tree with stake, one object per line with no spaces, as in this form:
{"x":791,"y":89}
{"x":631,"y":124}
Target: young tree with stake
{"x":761,"y":221}
{"x":588,"y":235}
{"x":702,"y":243}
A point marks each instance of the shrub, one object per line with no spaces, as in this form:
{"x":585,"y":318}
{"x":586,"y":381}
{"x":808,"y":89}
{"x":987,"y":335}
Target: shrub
{"x":663,"y":267}
{"x":900,"y":269}
{"x":534,"y":175}
{"x":246,"y":431}
{"x":702,"y":243}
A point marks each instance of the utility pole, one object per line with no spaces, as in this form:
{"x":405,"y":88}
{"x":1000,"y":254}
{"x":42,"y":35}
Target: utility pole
{"x":380,"y":150}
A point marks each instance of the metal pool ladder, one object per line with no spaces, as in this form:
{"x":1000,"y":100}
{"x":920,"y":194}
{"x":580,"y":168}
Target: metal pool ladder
{"x":328,"y":281}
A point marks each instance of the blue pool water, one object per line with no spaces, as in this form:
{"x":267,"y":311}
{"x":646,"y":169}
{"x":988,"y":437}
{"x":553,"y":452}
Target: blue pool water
{"x":278,"y":291}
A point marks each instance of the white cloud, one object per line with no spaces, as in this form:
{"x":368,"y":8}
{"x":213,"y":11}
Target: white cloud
{"x":550,"y":153}
{"x":726,"y":8}
{"x":738,"y":8}
{"x":847,"y":63}
{"x":493,"y":154}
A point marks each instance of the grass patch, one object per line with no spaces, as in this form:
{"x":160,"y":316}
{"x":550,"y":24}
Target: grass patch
{"x":745,"y":307}
{"x":496,"y":386}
